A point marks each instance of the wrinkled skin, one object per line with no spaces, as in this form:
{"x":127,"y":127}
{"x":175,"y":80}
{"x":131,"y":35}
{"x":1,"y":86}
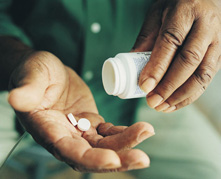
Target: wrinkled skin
{"x":44,"y":91}
{"x":185,"y":39}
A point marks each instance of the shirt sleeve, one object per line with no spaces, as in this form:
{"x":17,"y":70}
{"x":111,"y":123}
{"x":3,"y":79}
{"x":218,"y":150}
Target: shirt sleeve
{"x":7,"y":27}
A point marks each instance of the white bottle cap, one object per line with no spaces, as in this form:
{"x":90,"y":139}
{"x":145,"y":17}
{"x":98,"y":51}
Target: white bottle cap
{"x":113,"y":76}
{"x":72,"y":119}
{"x":84,"y":124}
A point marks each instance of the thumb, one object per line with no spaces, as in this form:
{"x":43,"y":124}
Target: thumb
{"x":150,"y":30}
{"x":29,"y":95}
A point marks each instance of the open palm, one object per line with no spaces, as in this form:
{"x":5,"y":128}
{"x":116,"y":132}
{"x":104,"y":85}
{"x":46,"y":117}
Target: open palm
{"x":44,"y":91}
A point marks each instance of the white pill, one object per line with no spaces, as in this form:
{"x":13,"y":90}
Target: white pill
{"x":72,"y":119}
{"x":84,"y":124}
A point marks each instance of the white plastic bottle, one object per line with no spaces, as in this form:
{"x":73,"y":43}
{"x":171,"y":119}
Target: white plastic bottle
{"x":120,"y":74}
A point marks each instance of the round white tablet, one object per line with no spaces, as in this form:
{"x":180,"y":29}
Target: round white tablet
{"x":84,"y":124}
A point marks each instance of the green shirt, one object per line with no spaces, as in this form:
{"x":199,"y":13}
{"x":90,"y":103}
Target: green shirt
{"x":82,"y":34}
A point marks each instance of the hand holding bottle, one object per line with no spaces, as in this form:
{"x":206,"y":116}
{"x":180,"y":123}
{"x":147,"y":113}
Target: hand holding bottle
{"x":185,"y":40}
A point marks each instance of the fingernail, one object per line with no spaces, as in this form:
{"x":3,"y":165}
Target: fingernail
{"x":138,"y":166}
{"x":148,"y":85}
{"x":112,"y":165}
{"x":145,"y":135}
{"x":162,"y":107}
{"x":154,"y":100}
{"x":170,"y":109}
{"x":142,"y":163}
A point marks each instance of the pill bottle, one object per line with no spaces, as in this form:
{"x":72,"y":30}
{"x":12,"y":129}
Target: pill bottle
{"x":120,"y":75}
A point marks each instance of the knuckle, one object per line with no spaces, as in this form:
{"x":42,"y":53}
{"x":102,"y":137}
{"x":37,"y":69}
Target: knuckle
{"x":141,"y":38}
{"x":173,"y":36}
{"x":166,"y":87}
{"x":203,"y":76}
{"x":159,"y":69}
{"x":184,"y":103}
{"x":193,"y":98}
{"x":187,"y":101}
{"x":190,"y":57}
{"x":174,"y":99}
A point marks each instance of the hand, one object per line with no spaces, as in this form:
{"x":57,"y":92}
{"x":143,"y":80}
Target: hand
{"x":45,"y":91}
{"x":185,"y":40}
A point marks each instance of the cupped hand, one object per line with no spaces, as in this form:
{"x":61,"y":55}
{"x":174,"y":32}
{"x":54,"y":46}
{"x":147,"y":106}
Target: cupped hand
{"x":185,"y":40}
{"x":44,"y":91}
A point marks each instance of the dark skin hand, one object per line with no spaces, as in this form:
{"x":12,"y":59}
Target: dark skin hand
{"x":185,"y":39}
{"x":44,"y":91}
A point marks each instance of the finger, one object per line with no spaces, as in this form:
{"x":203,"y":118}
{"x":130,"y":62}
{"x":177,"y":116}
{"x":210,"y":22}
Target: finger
{"x":66,"y":143}
{"x":30,"y":85}
{"x":26,"y":98}
{"x":188,"y":101}
{"x":199,"y":81}
{"x":185,"y":102}
{"x":133,"y":159}
{"x":95,"y":119}
{"x":174,"y":30}
{"x":78,"y":153}
{"x":129,"y":138}
{"x":94,"y":138}
{"x":150,"y":29}
{"x":106,"y":129}
{"x":130,"y":159}
{"x":184,"y":64}
{"x":39,"y":81}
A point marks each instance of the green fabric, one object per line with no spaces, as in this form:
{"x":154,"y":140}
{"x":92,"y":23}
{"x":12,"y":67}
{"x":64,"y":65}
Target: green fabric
{"x":185,"y":145}
{"x":6,"y":25}
{"x":64,"y":28}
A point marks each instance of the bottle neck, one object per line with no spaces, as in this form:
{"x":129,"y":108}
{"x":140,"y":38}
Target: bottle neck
{"x":114,"y":76}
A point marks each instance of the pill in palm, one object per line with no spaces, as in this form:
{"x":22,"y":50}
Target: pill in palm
{"x":72,"y":119}
{"x":84,"y":124}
